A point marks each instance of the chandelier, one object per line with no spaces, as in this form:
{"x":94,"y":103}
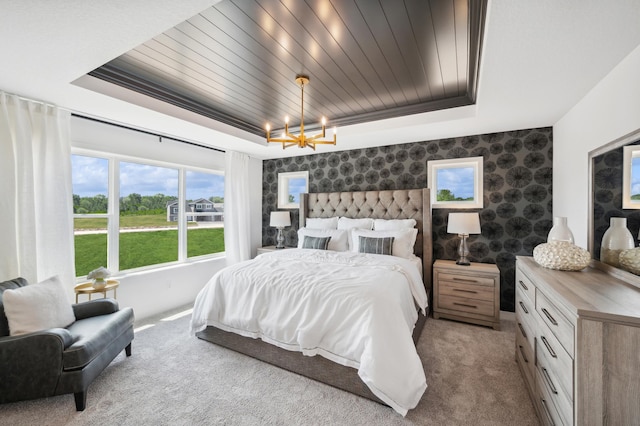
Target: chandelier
{"x":301,"y":140}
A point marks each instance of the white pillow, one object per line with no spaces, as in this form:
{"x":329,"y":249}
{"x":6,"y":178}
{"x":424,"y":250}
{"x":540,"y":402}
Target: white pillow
{"x":321,"y":223}
{"x":37,"y":307}
{"x":348,"y":223}
{"x":393,"y":224}
{"x":403,"y":240}
{"x":338,"y":241}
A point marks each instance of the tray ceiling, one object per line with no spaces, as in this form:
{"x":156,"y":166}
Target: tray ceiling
{"x":367,"y":60}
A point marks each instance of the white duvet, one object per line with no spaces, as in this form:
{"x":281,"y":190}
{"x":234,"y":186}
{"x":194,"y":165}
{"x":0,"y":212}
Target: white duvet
{"x":355,"y":309}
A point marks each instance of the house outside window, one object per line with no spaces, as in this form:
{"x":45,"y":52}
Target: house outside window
{"x":127,"y":214}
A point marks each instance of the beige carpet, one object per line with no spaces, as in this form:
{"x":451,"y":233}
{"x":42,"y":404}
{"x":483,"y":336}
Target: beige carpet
{"x":176,"y":379}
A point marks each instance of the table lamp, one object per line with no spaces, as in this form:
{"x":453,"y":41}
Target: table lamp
{"x":280,"y":220}
{"x":463,"y":224}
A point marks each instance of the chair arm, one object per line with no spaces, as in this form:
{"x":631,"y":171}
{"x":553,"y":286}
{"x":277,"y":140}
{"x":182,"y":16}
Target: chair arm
{"x":96,"y":307}
{"x":30,"y":364}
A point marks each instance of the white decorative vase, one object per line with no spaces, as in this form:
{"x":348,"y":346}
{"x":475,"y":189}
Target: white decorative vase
{"x":99,"y":283}
{"x":560,"y":231}
{"x":615,"y":240}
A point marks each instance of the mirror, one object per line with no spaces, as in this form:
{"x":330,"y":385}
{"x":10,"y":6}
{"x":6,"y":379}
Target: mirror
{"x":612,"y":193}
{"x":456,"y":183}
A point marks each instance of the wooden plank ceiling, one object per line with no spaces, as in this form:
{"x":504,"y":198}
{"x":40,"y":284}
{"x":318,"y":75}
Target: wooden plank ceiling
{"x":367,"y":60}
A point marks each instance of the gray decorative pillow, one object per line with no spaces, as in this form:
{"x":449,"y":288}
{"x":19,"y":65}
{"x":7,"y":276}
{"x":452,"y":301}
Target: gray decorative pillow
{"x":319,"y":243}
{"x":375,"y":245}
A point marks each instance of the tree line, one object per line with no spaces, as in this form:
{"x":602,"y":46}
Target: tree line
{"x":132,"y":204}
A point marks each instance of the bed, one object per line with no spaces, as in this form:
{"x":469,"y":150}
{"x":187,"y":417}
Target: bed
{"x":389,"y":204}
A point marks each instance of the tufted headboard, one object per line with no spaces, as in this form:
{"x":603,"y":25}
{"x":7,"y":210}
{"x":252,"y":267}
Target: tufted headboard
{"x":389,"y":204}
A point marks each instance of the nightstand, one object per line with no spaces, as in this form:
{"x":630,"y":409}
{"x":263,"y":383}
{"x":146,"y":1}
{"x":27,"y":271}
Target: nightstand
{"x":467,"y":293}
{"x":267,"y":249}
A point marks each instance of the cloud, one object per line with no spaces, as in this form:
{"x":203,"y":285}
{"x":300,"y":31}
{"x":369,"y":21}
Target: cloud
{"x":90,"y":177}
{"x":458,"y":180}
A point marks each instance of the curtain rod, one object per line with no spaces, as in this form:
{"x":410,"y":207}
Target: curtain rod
{"x":122,"y":126}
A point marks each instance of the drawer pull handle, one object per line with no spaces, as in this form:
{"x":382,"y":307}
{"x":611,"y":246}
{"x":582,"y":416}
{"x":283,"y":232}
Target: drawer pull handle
{"x":548,"y":315}
{"x":524,"y":308}
{"x":524,"y":333}
{"x":524,"y":357}
{"x":546,"y":411}
{"x":523,"y":286}
{"x":465,"y":291}
{"x":465,"y":305}
{"x":548,"y":379}
{"x":464,"y":280}
{"x":549,"y":348}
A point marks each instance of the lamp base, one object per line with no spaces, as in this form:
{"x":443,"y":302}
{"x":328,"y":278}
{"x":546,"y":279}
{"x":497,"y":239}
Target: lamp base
{"x":463,"y":262}
{"x":463,"y":251}
{"x":280,"y":239}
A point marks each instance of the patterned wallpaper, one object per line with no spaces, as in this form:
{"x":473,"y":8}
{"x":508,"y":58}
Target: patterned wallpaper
{"x":517,"y":212}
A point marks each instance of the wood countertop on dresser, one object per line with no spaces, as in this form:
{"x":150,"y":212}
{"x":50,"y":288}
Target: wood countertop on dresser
{"x":590,"y":293}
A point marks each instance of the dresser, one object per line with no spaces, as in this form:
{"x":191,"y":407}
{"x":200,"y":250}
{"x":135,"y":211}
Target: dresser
{"x":578,"y":344}
{"x":467,"y":293}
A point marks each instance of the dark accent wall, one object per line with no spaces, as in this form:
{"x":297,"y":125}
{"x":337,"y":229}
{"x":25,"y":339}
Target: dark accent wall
{"x":517,"y":213}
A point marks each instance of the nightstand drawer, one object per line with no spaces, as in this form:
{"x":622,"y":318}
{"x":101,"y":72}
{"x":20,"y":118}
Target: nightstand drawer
{"x":556,"y":321}
{"x":460,"y":289}
{"x":467,"y":280}
{"x":472,"y":306}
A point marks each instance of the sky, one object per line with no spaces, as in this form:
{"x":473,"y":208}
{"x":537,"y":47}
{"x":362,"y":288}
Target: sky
{"x":459,"y":180}
{"x":635,"y":176}
{"x":90,"y":177}
{"x":297,"y":186}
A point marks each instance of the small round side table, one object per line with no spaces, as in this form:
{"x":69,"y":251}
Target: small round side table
{"x":87,"y":288}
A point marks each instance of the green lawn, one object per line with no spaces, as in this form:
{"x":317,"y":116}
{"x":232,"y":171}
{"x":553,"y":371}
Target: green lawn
{"x":142,"y":221}
{"x":144,"y":248}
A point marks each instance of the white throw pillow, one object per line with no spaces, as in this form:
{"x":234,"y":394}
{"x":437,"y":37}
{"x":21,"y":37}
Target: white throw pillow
{"x":348,"y":223}
{"x":338,"y":237}
{"x":321,"y":223}
{"x":393,"y":224}
{"x":403,"y":240}
{"x":37,"y":307}
{"x":351,"y":224}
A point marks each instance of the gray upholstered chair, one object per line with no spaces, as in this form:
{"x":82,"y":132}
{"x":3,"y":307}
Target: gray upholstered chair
{"x":62,"y":360}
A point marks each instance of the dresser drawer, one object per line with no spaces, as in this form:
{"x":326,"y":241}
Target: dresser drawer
{"x":556,"y":359}
{"x":548,"y":379}
{"x":461,"y":289}
{"x":556,"y":321}
{"x":525,"y":309}
{"x":524,"y":284}
{"x":472,"y":306}
{"x":549,"y":413}
{"x":525,"y":355}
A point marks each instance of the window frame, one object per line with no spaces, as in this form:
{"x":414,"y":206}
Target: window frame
{"x":113,"y":212}
{"x":475,"y":163}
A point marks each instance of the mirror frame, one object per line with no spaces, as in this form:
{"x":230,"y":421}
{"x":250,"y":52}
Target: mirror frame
{"x":615,"y":144}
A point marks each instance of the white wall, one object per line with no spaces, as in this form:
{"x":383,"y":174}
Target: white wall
{"x":609,"y":111}
{"x":153,"y":292}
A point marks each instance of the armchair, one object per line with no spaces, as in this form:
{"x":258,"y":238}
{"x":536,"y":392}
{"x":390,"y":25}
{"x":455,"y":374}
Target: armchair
{"x":62,"y":360}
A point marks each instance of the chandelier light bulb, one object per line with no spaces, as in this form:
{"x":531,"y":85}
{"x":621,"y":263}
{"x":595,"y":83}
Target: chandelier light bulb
{"x":335,"y":130}
{"x":324,"y":121}
{"x":286,"y":119}
{"x":268,"y":127}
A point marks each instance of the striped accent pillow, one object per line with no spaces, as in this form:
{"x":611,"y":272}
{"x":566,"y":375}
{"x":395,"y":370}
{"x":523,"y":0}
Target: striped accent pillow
{"x":375,"y":245}
{"x":318,"y":243}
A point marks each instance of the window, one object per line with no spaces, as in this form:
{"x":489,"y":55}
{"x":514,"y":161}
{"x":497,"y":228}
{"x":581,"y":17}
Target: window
{"x":147,"y":229}
{"x":456,"y":183}
{"x":290,"y":186}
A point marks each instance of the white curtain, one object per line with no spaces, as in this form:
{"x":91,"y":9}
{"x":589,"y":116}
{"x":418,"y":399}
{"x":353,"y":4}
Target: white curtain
{"x":237,"y":223}
{"x":36,"y":206}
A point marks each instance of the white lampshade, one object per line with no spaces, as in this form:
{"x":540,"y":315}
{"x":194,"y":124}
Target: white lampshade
{"x":464,"y":223}
{"x":280,"y":219}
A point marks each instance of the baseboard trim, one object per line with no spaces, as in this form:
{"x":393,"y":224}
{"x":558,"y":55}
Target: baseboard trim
{"x":507,"y":315}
